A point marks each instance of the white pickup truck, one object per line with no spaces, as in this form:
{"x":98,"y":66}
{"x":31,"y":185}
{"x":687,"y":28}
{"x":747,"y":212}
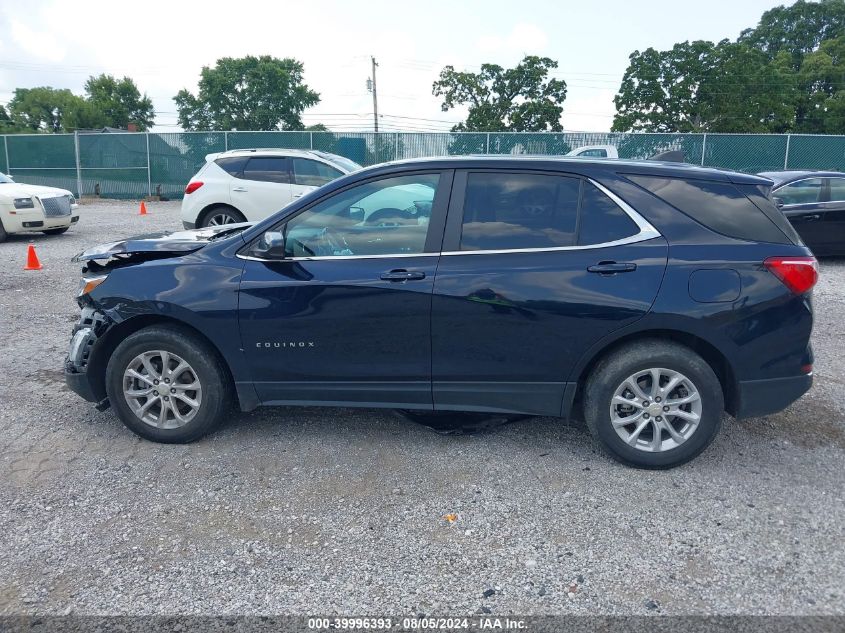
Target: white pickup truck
{"x":595,"y":151}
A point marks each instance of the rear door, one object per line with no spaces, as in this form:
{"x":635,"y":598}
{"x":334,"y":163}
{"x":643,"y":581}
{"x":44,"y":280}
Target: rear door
{"x":802,"y":204}
{"x":307,"y":175}
{"x":536,"y":267}
{"x":263,"y":187}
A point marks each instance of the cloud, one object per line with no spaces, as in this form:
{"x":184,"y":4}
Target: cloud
{"x":39,"y":44}
{"x":523,"y":39}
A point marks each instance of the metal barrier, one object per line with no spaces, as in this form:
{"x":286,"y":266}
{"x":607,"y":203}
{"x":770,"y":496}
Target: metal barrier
{"x":133,"y":165}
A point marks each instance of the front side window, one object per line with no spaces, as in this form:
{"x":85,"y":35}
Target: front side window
{"x":595,"y":153}
{"x":312,"y":173}
{"x":801,"y":192}
{"x":384,"y":217}
{"x":267,"y":169}
{"x":514,"y":211}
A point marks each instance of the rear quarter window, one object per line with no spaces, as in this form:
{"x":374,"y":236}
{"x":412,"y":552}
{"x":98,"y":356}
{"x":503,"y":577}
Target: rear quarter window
{"x":233,"y":165}
{"x":719,"y":206}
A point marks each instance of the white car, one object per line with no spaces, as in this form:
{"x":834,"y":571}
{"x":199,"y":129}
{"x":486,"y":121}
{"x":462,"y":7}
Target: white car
{"x":595,"y":151}
{"x":34,"y":208}
{"x":247,"y":185}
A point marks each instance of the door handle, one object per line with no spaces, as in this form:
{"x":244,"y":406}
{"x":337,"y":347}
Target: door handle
{"x":611,"y":268}
{"x":296,"y":195}
{"x":240,"y":189}
{"x":811,"y":217}
{"x":402,"y":275}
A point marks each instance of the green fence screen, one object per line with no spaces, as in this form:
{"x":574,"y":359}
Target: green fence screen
{"x":133,"y":165}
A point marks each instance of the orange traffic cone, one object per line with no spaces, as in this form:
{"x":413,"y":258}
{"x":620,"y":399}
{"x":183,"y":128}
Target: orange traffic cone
{"x":143,"y":209}
{"x":32,"y":262}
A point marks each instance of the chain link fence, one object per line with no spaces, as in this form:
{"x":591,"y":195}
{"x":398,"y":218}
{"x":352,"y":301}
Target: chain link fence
{"x":134,"y":165}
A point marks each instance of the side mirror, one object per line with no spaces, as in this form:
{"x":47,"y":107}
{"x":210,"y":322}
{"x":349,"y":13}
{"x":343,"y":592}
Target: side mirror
{"x":778,"y":202}
{"x":271,"y":245}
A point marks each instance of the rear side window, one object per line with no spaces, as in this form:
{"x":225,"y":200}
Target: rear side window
{"x":719,"y":206}
{"x":312,"y":173}
{"x":602,"y":220}
{"x":519,"y":211}
{"x":268,"y":169}
{"x":233,"y":165}
{"x":508,"y":211}
{"x":837,"y":189}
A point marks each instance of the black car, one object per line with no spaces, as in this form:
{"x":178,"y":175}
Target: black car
{"x":814,"y":202}
{"x":647,"y":297}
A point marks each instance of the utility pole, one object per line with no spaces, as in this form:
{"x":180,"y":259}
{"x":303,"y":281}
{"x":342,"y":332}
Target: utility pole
{"x":375,"y":97}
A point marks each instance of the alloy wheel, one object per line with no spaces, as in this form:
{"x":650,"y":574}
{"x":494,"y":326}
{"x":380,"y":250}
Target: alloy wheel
{"x":162,"y":389}
{"x":655,"y":409}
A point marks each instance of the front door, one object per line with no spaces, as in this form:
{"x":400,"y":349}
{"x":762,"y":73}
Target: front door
{"x":802,"y":204}
{"x":536,"y":268}
{"x":263,"y":188}
{"x":345,"y":316}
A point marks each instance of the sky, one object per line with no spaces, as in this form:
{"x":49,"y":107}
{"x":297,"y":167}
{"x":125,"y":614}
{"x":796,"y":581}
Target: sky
{"x":164,"y":45}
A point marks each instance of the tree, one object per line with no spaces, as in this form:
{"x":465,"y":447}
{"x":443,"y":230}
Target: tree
{"x":46,"y":109}
{"x":660,"y":89}
{"x":822,"y":75}
{"x":248,"y":93}
{"x":317,"y":127}
{"x":520,"y":99}
{"x":120,"y":102}
{"x":704,"y":87}
{"x":798,"y":29}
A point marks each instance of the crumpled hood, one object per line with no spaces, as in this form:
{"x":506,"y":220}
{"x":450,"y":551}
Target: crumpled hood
{"x":173,"y":242}
{"x":20,"y":190}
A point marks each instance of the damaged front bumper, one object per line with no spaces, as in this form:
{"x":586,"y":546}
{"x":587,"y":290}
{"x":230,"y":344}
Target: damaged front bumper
{"x":91,"y":326}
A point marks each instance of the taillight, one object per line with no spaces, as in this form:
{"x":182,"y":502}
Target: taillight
{"x":799,"y":274}
{"x":192,"y":187}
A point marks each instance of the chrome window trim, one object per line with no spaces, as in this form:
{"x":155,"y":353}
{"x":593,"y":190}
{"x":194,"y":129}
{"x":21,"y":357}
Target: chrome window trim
{"x":252,"y":258}
{"x":646,"y":232}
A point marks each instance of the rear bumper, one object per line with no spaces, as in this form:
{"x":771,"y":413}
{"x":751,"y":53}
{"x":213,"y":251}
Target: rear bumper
{"x":764,"y":397}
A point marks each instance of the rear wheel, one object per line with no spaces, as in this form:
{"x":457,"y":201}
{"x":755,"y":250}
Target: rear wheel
{"x":221,"y":215}
{"x":64,"y":229}
{"x":167,"y":385}
{"x":653,"y":404}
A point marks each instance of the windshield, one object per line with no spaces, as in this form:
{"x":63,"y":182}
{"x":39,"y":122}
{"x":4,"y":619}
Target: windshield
{"x":344,"y":163}
{"x":4,"y":179}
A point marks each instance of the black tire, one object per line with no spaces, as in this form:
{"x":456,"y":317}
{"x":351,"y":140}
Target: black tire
{"x":610,"y":373}
{"x":64,"y":229}
{"x":3,"y":234}
{"x":220,"y":210}
{"x":216,"y":401}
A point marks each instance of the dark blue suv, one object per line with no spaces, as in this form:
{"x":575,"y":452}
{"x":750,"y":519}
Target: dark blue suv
{"x":647,"y":297}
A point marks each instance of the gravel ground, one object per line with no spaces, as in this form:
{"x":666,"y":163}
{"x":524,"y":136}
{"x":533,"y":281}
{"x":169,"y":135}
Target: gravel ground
{"x":315,"y":510}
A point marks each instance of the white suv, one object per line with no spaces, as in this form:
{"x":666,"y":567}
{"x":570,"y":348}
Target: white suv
{"x":250,"y":184}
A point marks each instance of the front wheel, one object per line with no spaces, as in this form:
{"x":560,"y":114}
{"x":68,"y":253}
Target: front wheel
{"x":167,"y":385}
{"x":653,"y":404}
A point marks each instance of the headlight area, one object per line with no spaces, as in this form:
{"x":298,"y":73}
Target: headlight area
{"x":24,"y":203}
{"x":88,"y":283}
